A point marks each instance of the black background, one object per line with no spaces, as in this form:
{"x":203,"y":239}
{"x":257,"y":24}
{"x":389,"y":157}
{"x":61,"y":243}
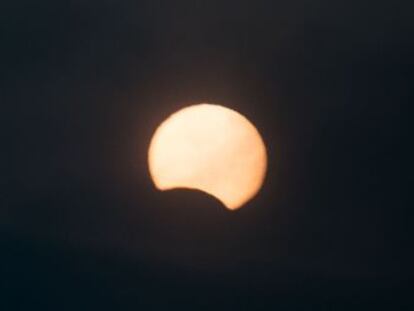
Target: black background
{"x":84,"y":85}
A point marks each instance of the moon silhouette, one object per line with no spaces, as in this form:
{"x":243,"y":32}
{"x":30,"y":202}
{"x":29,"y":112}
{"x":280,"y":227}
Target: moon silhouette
{"x":210,"y":148}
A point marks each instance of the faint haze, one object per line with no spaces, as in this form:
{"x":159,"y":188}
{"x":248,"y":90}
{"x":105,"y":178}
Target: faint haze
{"x":83,"y":86}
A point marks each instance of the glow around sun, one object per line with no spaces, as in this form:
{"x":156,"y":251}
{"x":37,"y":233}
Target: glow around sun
{"x":209,"y":148}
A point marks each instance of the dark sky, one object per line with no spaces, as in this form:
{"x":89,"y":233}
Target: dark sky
{"x":83,"y":85}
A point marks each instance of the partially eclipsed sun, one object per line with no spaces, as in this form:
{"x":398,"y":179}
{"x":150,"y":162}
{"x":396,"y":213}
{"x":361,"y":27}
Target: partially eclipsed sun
{"x":209,"y":148}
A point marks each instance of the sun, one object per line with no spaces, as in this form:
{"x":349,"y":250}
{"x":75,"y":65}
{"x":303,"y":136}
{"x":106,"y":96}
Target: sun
{"x":209,"y":148}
